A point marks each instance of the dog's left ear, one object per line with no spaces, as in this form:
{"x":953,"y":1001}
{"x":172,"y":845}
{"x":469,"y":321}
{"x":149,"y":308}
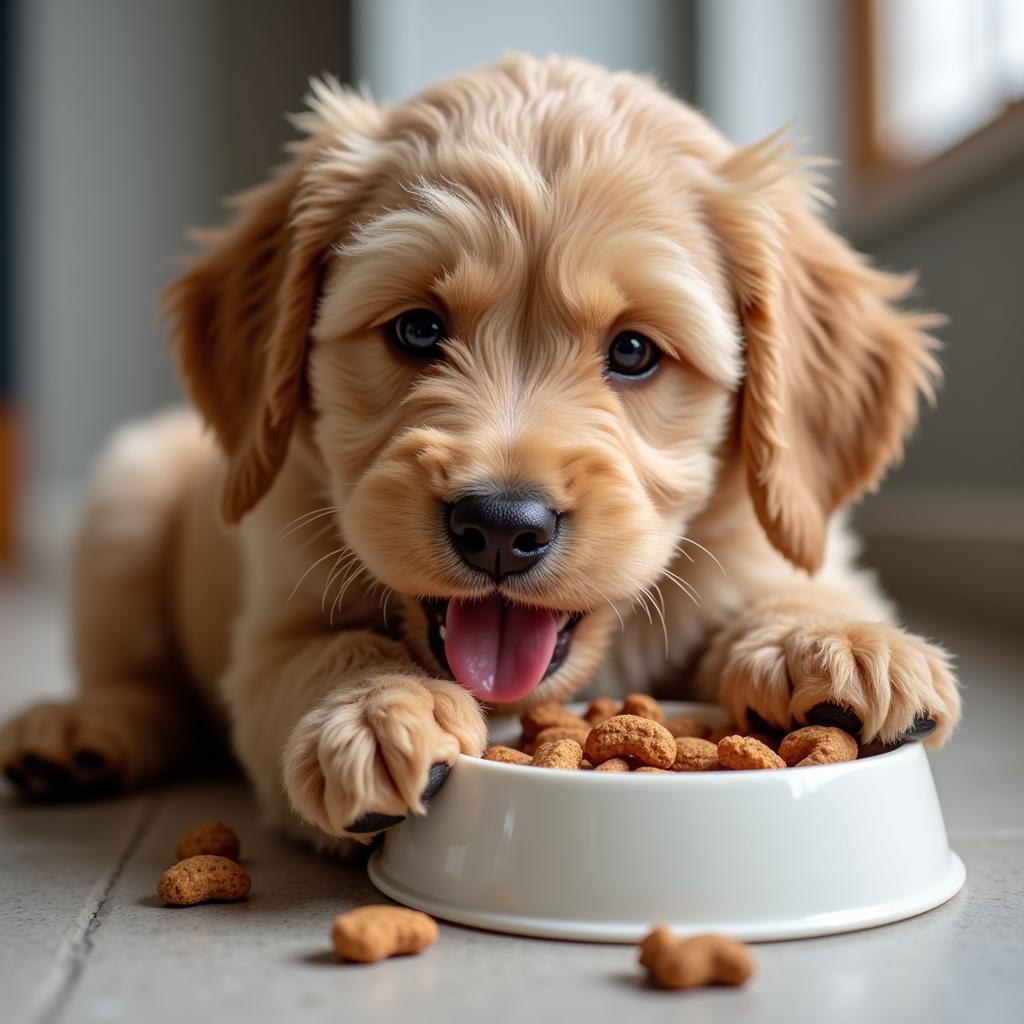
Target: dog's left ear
{"x":833,"y":367}
{"x":243,"y":309}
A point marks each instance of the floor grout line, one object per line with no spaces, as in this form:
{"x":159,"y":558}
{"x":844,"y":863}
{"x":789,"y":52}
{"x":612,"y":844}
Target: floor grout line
{"x":76,"y":945}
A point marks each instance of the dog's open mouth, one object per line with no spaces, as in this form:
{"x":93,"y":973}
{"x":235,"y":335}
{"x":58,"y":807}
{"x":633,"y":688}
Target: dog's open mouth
{"x":496,"y":649}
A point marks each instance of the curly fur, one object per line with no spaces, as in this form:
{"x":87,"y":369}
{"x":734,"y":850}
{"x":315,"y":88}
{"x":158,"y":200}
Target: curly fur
{"x":540,"y":206}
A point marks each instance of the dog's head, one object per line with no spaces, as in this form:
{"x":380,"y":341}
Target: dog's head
{"x":527,"y":316}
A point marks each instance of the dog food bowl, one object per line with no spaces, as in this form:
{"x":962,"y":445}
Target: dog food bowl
{"x":757,"y":855}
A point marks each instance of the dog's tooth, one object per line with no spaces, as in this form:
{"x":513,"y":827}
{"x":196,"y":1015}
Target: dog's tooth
{"x":441,"y":630}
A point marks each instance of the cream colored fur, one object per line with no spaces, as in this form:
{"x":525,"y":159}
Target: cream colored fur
{"x":540,"y":206}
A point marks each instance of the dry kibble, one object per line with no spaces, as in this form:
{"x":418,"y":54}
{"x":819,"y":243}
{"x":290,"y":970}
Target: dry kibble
{"x":644,"y":706}
{"x":648,"y":770}
{"x":212,"y":837}
{"x":507,"y":755}
{"x":557,"y":732}
{"x":695,"y":755}
{"x":687,"y":725}
{"x":377,"y":932}
{"x":201,"y":879}
{"x":697,"y":962}
{"x":545,"y":715}
{"x":817,"y":744}
{"x":613,"y":764}
{"x":586,"y":766}
{"x":565,"y":754}
{"x":601,"y":709}
{"x":744,"y":752}
{"x":631,"y":736}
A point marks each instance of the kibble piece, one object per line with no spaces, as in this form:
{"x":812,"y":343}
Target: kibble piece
{"x":565,"y":754}
{"x":697,"y":962}
{"x":646,"y":769}
{"x":817,"y":744}
{"x":557,"y":732}
{"x":544,"y":715}
{"x":613,"y":764}
{"x":695,"y":755}
{"x":687,"y":725}
{"x":212,"y":837}
{"x":506,"y":755}
{"x":601,"y":709}
{"x":644,"y":706}
{"x":201,"y":879}
{"x":744,"y":752}
{"x":631,"y":736}
{"x":377,"y":932}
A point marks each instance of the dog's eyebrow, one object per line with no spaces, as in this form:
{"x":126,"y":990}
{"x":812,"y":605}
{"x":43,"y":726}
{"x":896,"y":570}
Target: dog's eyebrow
{"x":657,"y":284}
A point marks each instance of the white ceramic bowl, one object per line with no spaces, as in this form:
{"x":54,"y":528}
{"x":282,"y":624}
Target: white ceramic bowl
{"x":753,"y":854}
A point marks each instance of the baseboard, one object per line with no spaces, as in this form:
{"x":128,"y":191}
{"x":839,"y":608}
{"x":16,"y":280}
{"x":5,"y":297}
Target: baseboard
{"x":962,"y":548}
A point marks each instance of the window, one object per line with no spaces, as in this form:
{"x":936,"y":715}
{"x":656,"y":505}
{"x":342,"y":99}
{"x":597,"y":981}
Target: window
{"x":939,"y":71}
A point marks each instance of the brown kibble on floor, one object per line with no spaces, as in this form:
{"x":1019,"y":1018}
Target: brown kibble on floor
{"x":213,"y":837}
{"x":697,"y":962}
{"x":203,"y":879}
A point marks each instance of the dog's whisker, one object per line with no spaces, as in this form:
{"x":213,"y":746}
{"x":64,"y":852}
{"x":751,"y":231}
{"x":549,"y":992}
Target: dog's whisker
{"x":661,"y":613}
{"x":305,"y":519}
{"x":679,"y":550}
{"x":686,"y":587}
{"x":322,"y":558}
{"x":618,"y":615}
{"x":343,"y":562}
{"x":385,"y":597}
{"x":696,"y":544}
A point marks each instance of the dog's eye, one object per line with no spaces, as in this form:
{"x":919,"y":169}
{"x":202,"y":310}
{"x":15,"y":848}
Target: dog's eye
{"x":418,"y":332}
{"x":632,"y":355}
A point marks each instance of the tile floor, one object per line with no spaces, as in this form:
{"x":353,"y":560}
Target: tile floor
{"x":82,"y":938}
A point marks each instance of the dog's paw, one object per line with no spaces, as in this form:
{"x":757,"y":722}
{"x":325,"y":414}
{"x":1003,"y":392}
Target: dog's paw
{"x":869,"y":678}
{"x":373,"y":753}
{"x":66,"y":751}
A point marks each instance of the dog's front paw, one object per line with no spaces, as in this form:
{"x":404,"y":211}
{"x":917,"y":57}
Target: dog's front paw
{"x":870,"y":678}
{"x":372,"y":753}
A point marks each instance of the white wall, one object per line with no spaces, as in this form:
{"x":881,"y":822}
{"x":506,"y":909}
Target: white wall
{"x":400,"y":46}
{"x":134,"y":118}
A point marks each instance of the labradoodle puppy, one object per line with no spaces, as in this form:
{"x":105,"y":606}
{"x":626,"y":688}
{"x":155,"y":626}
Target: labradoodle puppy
{"x":528,"y":383}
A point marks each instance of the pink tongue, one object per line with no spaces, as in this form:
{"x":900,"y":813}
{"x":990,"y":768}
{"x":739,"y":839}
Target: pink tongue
{"x":498,"y":651}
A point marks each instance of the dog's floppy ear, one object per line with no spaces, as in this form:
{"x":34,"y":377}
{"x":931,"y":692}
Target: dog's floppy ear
{"x":242,"y":311}
{"x":833,"y":366}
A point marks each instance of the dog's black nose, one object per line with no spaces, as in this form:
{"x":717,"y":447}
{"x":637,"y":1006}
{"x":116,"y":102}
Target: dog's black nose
{"x":501,"y":533}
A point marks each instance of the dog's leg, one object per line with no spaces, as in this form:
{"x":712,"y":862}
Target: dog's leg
{"x":131,"y":719}
{"x":811,"y":654}
{"x":336,"y":728}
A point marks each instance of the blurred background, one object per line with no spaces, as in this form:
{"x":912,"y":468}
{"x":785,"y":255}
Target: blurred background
{"x":124,"y":121}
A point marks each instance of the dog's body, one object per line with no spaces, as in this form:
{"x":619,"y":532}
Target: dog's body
{"x":561,"y":218}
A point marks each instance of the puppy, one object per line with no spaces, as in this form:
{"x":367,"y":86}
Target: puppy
{"x":530,"y":382}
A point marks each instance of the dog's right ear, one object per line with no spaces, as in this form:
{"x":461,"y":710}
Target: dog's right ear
{"x":243,"y":310}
